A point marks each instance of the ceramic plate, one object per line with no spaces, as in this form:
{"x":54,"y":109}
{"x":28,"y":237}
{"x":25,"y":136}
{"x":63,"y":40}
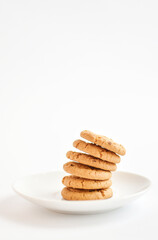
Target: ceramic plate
{"x":44,"y":189}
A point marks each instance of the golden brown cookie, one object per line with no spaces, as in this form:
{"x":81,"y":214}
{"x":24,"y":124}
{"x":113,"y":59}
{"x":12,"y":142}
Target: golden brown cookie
{"x":103,"y":141}
{"x":91,"y":161}
{"x":83,"y":183}
{"x":78,"y":194}
{"x":96,"y":151}
{"x":84,"y":171}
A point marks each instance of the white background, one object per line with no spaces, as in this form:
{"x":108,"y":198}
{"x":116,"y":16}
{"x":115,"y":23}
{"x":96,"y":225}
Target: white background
{"x":66,"y":66}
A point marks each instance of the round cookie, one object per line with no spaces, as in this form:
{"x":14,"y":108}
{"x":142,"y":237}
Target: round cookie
{"x":84,"y":171}
{"x":83,"y":183}
{"x":78,"y":194}
{"x":91,"y":161}
{"x":103,"y":141}
{"x":96,"y":151}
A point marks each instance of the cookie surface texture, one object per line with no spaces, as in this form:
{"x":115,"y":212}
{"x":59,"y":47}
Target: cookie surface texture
{"x":104,"y":142}
{"x":91,"y":161}
{"x":83,"y":183}
{"x":84,"y":171}
{"x":78,"y":194}
{"x":97,"y":151}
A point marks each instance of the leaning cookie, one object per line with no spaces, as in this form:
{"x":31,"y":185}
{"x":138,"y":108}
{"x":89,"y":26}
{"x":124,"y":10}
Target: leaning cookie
{"x":91,"y":161}
{"x":103,"y":141}
{"x":96,"y":151}
{"x":78,"y":194}
{"x":83,"y":171}
{"x":83,"y":183}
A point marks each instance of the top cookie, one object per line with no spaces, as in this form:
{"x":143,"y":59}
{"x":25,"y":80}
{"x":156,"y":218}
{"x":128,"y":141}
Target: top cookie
{"x":104,"y":142}
{"x":97,"y":151}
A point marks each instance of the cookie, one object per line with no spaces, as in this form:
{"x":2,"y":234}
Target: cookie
{"x":78,"y":194}
{"x":96,"y":151}
{"x":84,"y":171}
{"x":83,"y":183}
{"x":104,"y":142}
{"x":91,"y":161}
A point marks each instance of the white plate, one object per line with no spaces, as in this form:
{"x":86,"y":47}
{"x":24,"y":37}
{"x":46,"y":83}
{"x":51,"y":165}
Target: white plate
{"x":44,"y":189}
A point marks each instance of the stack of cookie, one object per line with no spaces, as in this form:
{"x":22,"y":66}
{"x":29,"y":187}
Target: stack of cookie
{"x":91,"y":171}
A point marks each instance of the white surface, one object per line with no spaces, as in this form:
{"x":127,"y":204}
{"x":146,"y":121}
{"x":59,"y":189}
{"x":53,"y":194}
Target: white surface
{"x":44,"y":189}
{"x":66,"y":66}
